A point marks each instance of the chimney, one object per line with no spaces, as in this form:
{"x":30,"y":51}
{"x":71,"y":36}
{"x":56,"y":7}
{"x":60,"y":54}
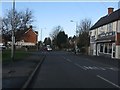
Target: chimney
{"x":110,"y":10}
{"x":31,"y":26}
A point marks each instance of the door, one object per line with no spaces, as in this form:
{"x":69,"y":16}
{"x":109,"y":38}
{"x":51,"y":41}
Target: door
{"x":113,"y":50}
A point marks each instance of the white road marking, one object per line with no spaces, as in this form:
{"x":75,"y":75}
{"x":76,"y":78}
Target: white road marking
{"x":93,"y":67}
{"x":68,"y":60}
{"x":112,"y":68}
{"x":102,"y":68}
{"x":80,"y":66}
{"x":108,"y":81}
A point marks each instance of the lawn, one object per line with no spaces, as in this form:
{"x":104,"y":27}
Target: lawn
{"x":19,"y":54}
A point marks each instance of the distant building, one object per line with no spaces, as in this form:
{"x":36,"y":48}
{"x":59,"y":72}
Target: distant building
{"x":26,"y":37}
{"x":105,"y":35}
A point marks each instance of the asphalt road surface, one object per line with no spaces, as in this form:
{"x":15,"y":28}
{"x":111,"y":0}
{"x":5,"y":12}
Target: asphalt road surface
{"x":66,"y":70}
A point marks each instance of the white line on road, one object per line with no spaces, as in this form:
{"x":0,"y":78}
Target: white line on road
{"x":108,"y":81}
{"x":80,"y":66}
{"x":68,"y":60}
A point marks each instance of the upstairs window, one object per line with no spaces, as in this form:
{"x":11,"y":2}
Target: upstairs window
{"x":110,"y":27}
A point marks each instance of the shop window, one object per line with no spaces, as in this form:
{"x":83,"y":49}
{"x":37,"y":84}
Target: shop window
{"x":110,"y":48}
{"x":105,"y":50}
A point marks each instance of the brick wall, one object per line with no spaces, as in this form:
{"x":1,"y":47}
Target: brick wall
{"x":30,"y":36}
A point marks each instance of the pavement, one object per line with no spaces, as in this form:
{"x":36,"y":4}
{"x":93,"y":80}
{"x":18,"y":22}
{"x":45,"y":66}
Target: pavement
{"x":16,"y":74}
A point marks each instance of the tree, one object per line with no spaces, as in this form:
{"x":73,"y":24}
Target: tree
{"x":61,"y":39}
{"x":47,"y":41}
{"x":26,"y":18}
{"x":22,"y":19}
{"x":54,"y":34}
{"x":84,"y":26}
{"x":84,"y":38}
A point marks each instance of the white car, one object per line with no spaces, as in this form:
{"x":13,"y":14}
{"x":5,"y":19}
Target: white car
{"x":49,"y":48}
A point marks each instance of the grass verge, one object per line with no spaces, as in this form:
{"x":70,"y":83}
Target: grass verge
{"x":18,"y":54}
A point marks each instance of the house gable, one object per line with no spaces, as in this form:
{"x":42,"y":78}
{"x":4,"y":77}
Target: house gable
{"x":30,"y":36}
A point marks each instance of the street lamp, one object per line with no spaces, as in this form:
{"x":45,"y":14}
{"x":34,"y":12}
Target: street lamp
{"x":76,"y":26}
{"x":42,"y":32}
{"x":75,"y":42}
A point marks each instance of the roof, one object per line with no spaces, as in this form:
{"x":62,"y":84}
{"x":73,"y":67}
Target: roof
{"x":107,"y":19}
{"x":19,"y":33}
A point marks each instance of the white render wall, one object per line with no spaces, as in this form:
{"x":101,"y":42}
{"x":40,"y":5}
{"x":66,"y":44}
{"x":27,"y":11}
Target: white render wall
{"x":114,"y":25}
{"x":117,"y":54}
{"x":118,"y":46}
{"x":118,"y":26}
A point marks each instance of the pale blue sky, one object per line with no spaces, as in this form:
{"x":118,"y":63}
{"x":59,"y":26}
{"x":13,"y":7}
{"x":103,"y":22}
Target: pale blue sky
{"x":47,"y":15}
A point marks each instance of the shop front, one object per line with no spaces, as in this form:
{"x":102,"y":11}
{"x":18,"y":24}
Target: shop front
{"x":106,"y":47}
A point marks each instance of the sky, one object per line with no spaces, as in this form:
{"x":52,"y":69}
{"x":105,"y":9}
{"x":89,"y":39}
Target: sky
{"x":48,"y":15}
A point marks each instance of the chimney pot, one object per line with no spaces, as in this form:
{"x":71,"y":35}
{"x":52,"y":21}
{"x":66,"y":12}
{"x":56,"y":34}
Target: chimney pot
{"x":110,"y":10}
{"x":31,"y":26}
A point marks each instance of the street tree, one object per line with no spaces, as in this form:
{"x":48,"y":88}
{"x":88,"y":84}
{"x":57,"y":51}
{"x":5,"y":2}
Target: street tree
{"x":21,"y":21}
{"x":47,"y":41}
{"x":54,"y":34}
{"x":62,"y":39}
{"x":84,"y":39}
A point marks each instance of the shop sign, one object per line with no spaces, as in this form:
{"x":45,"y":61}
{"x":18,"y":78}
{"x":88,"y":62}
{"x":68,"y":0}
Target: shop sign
{"x":106,"y":34}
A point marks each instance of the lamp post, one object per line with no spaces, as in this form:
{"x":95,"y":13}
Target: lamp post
{"x":13,"y":29}
{"x":42,"y":32}
{"x":76,"y":28}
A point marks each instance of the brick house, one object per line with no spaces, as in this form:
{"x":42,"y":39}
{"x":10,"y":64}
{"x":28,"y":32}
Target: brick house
{"x":105,"y":35}
{"x":27,"y":37}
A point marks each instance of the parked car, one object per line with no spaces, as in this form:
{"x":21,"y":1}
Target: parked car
{"x":2,"y":47}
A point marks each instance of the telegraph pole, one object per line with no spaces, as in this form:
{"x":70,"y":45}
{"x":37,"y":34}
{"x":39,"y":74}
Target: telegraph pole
{"x":13,"y":29}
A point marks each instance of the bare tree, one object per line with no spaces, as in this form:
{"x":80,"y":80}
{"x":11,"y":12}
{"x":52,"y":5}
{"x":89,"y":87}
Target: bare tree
{"x":84,"y":25}
{"x":22,"y":19}
{"x":84,"y":40}
{"x":26,"y":18}
{"x":56,"y":30}
{"x":54,"y":34}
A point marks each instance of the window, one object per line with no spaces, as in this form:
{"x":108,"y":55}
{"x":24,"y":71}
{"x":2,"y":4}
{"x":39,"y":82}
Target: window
{"x":110,"y":48}
{"x":110,"y":27}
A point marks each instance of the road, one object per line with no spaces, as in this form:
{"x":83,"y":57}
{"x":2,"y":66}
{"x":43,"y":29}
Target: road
{"x":66,"y":70}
